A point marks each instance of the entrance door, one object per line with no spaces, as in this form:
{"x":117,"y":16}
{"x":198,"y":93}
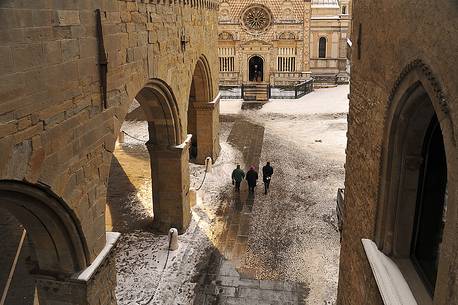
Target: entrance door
{"x":256,"y":65}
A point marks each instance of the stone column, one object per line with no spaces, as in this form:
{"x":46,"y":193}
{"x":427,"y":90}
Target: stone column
{"x":208,"y":128}
{"x":170,"y":175}
{"x":93,"y":286}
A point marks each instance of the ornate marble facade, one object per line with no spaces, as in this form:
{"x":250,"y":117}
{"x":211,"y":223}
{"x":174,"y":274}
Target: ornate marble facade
{"x":283,"y":42}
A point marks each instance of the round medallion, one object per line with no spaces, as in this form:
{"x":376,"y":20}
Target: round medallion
{"x":256,"y":18}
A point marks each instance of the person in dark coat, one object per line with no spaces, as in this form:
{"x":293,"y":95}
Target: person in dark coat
{"x":267,"y":172}
{"x":237,"y":177}
{"x":251,"y":178}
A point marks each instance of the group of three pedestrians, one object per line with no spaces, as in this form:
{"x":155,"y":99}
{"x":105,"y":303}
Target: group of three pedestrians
{"x":252,"y":177}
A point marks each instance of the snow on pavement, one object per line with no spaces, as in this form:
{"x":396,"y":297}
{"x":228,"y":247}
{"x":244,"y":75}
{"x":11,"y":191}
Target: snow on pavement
{"x":293,"y":234}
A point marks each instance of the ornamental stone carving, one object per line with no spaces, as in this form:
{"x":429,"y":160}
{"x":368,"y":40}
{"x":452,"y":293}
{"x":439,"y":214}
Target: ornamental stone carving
{"x":256,"y":18}
{"x":225,"y":36}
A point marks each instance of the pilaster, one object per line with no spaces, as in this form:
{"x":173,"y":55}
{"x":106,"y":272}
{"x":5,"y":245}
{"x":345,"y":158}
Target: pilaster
{"x":208,"y":130}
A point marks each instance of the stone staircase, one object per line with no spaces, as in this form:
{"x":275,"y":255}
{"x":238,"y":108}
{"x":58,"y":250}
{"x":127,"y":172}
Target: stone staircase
{"x":256,"y":92}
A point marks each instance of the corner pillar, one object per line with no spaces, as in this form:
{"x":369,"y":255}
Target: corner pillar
{"x":170,"y":175}
{"x":93,"y":286}
{"x":208,"y":128}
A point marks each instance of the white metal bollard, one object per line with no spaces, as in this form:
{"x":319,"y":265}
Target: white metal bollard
{"x":208,"y":165}
{"x":173,"y":239}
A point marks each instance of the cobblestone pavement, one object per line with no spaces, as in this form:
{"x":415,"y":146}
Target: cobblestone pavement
{"x":227,"y":281}
{"x":22,"y":288}
{"x":241,"y":248}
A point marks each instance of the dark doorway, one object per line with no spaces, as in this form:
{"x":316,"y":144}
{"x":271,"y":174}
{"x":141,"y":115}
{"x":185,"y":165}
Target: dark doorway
{"x":431,"y":206}
{"x":256,"y":64}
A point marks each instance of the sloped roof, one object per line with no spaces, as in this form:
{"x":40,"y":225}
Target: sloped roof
{"x":238,"y":6}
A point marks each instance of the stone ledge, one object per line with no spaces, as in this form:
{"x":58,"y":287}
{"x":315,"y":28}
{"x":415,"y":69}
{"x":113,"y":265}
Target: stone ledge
{"x":86,"y":275}
{"x":390,"y":281}
{"x":210,"y":105}
{"x":169,"y":148}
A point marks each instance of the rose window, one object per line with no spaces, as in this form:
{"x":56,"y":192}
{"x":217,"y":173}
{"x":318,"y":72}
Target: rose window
{"x":256,"y":18}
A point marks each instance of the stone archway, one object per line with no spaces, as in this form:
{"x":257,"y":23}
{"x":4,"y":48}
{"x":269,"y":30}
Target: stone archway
{"x":168,"y":154}
{"x":256,"y":69}
{"x":63,"y":261}
{"x":58,"y":240}
{"x":203,"y":114}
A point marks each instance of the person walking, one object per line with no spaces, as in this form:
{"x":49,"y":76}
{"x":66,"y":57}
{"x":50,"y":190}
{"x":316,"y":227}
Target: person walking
{"x":267,"y":172}
{"x":237,"y":177}
{"x":252,"y":177}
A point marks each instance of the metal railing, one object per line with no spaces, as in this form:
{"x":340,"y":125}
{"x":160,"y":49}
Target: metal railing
{"x":230,"y":92}
{"x":303,"y":88}
{"x":293,"y":91}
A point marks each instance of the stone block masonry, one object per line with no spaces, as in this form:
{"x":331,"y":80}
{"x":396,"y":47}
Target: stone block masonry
{"x":54,"y":128}
{"x":384,"y":62}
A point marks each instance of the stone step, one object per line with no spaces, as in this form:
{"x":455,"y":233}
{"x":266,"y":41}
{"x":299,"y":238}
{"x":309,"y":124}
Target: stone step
{"x":258,"y":92}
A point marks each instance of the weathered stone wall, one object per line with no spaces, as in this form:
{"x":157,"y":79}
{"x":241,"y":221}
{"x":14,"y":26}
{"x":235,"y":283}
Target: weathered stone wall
{"x":54,"y":129}
{"x":424,"y":30}
{"x":100,"y":289}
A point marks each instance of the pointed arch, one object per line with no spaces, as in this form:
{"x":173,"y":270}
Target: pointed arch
{"x":201,"y":87}
{"x":418,"y":123}
{"x":53,"y":228}
{"x":203,"y":113}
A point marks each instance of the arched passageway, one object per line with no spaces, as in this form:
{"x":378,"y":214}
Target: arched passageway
{"x":203,"y":115}
{"x":168,"y":155}
{"x":129,"y":192}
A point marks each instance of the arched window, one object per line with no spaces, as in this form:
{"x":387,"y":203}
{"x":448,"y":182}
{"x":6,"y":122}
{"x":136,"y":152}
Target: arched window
{"x":322,"y":48}
{"x":412,"y":210}
{"x":344,"y":10}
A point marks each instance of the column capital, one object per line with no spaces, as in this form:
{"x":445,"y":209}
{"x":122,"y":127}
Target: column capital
{"x":161,"y":148}
{"x":208,"y":106}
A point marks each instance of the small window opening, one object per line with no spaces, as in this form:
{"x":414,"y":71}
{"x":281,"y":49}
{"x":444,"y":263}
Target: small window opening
{"x":322,"y":48}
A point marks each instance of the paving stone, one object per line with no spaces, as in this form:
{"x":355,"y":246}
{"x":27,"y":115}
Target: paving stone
{"x":271,"y":285}
{"x":288,"y":286}
{"x":228,"y":291}
{"x":227,"y":269}
{"x":245,"y":290}
{"x":250,"y":283}
{"x":250,"y":293}
{"x":227,"y":281}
